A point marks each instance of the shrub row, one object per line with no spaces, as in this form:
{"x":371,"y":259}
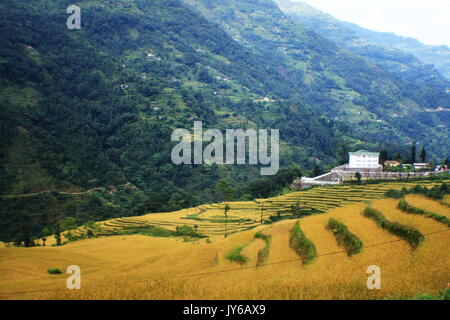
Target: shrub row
{"x":395,"y":194}
{"x":406,"y":207}
{"x":236,"y":256}
{"x":344,"y":237}
{"x":443,"y":295}
{"x":302,"y":245}
{"x":263,"y":254}
{"x":412,"y":235}
{"x":435,"y":193}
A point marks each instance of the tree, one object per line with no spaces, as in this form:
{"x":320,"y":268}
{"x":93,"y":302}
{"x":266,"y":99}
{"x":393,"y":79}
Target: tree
{"x":225,"y":190}
{"x":226,"y":209}
{"x":186,"y":231}
{"x":57,"y":235}
{"x":384,"y":155}
{"x":204,"y":76}
{"x":267,"y":187}
{"x":18,"y":242}
{"x":358,"y":177}
{"x":399,"y":157}
{"x":412,"y":153}
{"x":317,"y":171}
{"x":182,"y":199}
{"x":26,"y":238}
{"x":68,"y":223}
{"x":423,"y":155}
{"x":155,"y":202}
{"x":343,"y":153}
{"x":45,"y":233}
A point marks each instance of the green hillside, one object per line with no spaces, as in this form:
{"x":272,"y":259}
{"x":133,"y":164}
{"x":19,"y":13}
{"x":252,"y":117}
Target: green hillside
{"x":98,"y":110}
{"x":90,"y":109}
{"x":378,"y":104}
{"x":96,"y":107}
{"x":387,"y":50}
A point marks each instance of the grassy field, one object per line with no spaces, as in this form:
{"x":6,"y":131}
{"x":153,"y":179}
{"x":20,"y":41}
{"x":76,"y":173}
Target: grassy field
{"x":143,"y":267}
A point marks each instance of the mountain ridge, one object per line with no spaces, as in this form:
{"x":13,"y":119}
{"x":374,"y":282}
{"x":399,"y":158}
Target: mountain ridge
{"x":353,"y":36}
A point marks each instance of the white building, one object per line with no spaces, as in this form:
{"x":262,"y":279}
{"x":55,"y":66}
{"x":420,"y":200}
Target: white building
{"x":363,"y":159}
{"x":420,"y":166}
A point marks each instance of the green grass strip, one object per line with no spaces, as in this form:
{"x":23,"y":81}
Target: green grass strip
{"x":445,"y":204}
{"x":263,"y":254}
{"x":344,"y":237}
{"x":236,"y":256}
{"x":406,"y":207}
{"x":412,"y":235}
{"x":302,"y":245}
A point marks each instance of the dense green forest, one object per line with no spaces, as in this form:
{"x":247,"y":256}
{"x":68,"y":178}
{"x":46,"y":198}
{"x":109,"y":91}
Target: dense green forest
{"x":95,"y":108}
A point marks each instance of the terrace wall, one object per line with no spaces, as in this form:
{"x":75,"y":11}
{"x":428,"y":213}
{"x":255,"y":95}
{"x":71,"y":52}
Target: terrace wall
{"x":343,"y":173}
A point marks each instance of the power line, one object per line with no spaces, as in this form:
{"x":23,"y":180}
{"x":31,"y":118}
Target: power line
{"x":298,"y":259}
{"x":230,"y":270}
{"x":433,"y":11}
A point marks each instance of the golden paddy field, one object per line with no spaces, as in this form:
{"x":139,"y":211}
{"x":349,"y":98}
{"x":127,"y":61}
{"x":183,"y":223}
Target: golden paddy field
{"x":209,"y":219}
{"x":142,"y":267}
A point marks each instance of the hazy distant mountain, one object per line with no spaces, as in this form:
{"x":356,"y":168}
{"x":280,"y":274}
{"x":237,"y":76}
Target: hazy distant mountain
{"x":405,"y":55}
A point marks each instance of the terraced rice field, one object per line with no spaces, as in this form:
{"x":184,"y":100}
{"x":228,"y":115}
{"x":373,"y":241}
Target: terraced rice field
{"x":142,"y":267}
{"x":209,"y":220}
{"x":430,"y":205}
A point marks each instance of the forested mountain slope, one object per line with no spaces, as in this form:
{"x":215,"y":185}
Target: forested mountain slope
{"x":436,"y":55}
{"x":379,"y":104}
{"x":379,"y":47}
{"x":96,"y":107}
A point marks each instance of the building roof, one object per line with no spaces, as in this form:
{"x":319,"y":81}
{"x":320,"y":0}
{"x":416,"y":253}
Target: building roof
{"x":364,"y":152}
{"x":392,"y":162}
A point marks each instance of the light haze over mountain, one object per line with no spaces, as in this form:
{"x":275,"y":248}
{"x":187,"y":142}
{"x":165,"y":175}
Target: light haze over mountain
{"x":343,"y":32}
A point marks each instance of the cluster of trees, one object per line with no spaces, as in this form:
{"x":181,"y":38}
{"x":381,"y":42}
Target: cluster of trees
{"x":436,"y":192}
{"x":48,"y":209}
{"x":411,"y":158}
{"x":260,"y":188}
{"x":26,"y":239}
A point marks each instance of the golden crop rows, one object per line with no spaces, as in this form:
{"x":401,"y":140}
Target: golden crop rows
{"x":209,"y":219}
{"x":141,"y":267}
